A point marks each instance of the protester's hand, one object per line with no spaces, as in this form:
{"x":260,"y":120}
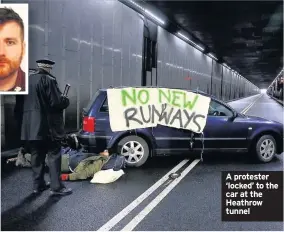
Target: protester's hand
{"x":64,"y":97}
{"x":65,"y":101}
{"x":105,"y":153}
{"x":64,"y":141}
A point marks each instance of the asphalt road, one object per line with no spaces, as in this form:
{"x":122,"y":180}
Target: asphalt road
{"x":193,"y":204}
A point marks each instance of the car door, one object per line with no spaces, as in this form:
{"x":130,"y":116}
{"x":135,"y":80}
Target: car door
{"x":223,"y":131}
{"x":171,"y":140}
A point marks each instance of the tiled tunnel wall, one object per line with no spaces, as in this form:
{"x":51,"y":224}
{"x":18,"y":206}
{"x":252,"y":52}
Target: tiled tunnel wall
{"x":99,"y":43}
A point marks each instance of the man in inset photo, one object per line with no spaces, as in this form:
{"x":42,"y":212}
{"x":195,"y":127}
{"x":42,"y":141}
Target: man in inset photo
{"x":12,"y":51}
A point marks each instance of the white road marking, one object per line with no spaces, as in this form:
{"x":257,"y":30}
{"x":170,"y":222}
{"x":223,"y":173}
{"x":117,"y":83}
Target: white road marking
{"x":117,"y":218}
{"x":249,"y":106}
{"x":244,"y":110}
{"x":250,"y":103}
{"x":135,"y":221}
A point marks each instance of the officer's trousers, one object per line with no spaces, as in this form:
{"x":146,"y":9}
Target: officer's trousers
{"x":39,"y":150}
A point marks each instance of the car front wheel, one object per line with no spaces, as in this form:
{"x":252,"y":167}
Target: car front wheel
{"x":135,"y":150}
{"x":266,"y":148}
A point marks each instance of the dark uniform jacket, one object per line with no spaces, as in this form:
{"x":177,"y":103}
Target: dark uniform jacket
{"x":42,"y":109}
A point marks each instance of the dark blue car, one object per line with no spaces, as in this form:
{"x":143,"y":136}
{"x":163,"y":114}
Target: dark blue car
{"x":226,"y":131}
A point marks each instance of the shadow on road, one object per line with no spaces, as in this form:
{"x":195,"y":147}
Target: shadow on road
{"x":7,"y":169}
{"x":20,"y":218}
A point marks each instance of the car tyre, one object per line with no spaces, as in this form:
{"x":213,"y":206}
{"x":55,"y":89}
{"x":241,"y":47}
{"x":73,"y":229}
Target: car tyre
{"x":266,"y":149}
{"x":138,"y":152}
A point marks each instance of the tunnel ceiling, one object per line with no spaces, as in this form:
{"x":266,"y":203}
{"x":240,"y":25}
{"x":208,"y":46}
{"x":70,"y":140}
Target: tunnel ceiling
{"x":248,"y":36}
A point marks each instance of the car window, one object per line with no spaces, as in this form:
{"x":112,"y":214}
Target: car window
{"x":90,"y":103}
{"x":217,"y":109}
{"x":104,"y":107}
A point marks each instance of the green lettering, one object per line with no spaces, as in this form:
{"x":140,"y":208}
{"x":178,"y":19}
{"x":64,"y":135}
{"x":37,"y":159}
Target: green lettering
{"x":166,"y":95}
{"x":189,"y":104}
{"x":125,"y":94}
{"x":146,"y":94}
{"x":176,"y":97}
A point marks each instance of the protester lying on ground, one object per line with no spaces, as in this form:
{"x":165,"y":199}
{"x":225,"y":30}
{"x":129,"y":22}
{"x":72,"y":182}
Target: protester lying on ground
{"x":103,"y":169}
{"x":88,"y":167}
{"x":84,"y":165}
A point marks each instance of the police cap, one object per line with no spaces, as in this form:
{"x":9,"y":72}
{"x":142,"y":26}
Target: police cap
{"x":45,"y":63}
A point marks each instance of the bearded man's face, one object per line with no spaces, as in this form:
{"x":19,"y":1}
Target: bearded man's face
{"x":12,"y":48}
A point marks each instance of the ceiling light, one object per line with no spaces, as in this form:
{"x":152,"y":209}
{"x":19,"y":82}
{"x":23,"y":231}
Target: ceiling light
{"x":225,"y":65}
{"x":202,"y":49}
{"x":154,"y":17}
{"x":147,"y":12}
{"x":211,"y":55}
{"x":135,"y":4}
{"x":184,"y":37}
{"x":197,"y":46}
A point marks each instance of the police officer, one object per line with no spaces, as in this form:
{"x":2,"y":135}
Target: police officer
{"x":43,"y":127}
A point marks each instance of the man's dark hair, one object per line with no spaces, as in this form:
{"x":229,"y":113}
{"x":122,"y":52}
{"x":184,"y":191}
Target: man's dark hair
{"x":8,"y":15}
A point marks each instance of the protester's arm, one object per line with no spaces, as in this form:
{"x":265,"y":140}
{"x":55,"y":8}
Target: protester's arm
{"x":54,"y":95}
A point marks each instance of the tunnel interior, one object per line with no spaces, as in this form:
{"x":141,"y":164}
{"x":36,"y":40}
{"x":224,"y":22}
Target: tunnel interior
{"x":98,"y":44}
{"x":230,"y":50}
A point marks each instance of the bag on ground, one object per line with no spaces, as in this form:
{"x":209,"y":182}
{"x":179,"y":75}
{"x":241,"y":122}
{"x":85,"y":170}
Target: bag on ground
{"x":115,"y":162}
{"x":106,"y":176}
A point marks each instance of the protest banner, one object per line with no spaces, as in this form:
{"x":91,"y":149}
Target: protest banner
{"x":134,"y":108}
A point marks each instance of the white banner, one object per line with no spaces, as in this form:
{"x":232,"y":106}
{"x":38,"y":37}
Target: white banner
{"x":134,"y":108}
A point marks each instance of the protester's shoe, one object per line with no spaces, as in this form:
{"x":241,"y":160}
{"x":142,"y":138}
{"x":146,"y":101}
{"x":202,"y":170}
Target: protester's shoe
{"x":62,"y":192}
{"x":42,"y":188}
{"x":64,"y":177}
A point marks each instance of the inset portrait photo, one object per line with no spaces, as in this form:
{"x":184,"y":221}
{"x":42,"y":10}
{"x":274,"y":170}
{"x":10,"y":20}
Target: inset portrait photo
{"x":14,"y":49}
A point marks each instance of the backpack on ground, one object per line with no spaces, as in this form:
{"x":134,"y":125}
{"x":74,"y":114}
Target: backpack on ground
{"x":115,"y":162}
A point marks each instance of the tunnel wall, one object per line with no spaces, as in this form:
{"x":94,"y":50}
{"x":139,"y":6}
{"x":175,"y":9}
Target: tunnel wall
{"x":98,"y":43}
{"x":94,"y":45}
{"x":182,"y":66}
{"x":178,"y":60}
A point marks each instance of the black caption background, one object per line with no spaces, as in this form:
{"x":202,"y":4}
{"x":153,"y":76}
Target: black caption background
{"x":272,"y":199}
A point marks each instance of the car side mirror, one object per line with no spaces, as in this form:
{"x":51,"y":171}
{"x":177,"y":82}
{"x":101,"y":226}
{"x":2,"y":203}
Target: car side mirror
{"x":232,"y":118}
{"x":236,"y":114}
